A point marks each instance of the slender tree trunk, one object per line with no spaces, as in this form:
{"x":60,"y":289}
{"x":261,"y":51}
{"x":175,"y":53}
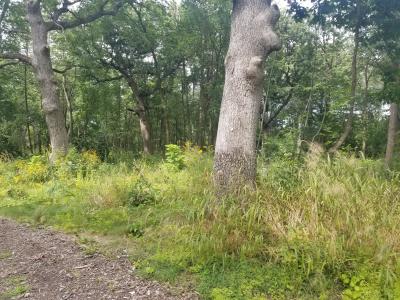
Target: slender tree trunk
{"x":365,"y":110}
{"x":141,"y":112}
{"x":69,"y":107}
{"x":165,"y":130}
{"x":184,"y":93}
{"x":299,"y":141}
{"x":27,"y":110}
{"x":349,"y":122}
{"x":44,"y":72}
{"x":204,"y":113}
{"x":392,"y":133}
{"x":3,"y":13}
{"x":39,"y":140}
{"x":252,"y":40}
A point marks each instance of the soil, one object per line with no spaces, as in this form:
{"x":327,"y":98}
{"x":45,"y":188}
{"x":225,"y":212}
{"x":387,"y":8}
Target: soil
{"x":38,"y":263}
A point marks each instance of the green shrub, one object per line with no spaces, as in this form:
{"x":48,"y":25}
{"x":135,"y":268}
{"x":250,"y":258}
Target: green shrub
{"x":175,"y":157}
{"x":141,"y":193}
{"x":35,"y":170}
{"x":76,"y":164}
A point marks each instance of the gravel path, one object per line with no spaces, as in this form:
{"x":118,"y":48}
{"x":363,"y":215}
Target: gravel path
{"x":43,"y":264}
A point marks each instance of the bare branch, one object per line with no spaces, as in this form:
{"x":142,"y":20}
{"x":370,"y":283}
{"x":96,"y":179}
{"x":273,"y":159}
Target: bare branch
{"x":278,"y":111}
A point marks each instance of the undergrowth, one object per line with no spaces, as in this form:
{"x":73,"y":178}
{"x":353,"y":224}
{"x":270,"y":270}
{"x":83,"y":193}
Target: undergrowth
{"x":328,"y":229}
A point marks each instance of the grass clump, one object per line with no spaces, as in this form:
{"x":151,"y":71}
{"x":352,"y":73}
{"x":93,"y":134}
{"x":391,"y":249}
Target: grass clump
{"x":15,"y":286}
{"x":5,"y":254}
{"x":320,"y":229}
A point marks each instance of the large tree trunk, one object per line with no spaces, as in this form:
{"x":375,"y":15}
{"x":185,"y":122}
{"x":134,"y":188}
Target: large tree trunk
{"x":44,"y":72}
{"x":392,"y":133}
{"x":252,"y":40}
{"x":349,"y":122}
{"x":144,"y":129}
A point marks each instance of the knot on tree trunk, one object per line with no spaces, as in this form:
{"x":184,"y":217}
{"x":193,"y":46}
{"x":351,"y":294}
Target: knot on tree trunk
{"x":49,"y":107}
{"x":255,"y":70}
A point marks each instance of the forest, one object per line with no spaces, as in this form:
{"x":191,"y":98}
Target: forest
{"x":231,"y":149}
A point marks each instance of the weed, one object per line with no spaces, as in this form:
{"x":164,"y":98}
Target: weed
{"x":89,"y":246}
{"x":174,"y":156}
{"x":5,"y":255}
{"x":16,"y":286}
{"x":320,"y":229}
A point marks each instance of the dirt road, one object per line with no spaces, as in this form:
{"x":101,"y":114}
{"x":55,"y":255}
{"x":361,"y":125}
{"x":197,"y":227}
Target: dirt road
{"x":44,"y":264}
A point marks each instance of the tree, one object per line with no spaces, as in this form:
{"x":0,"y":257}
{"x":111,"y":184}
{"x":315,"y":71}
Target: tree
{"x":252,"y":40}
{"x":385,"y":38}
{"x":42,"y":63}
{"x":392,"y":132}
{"x":139,"y":47}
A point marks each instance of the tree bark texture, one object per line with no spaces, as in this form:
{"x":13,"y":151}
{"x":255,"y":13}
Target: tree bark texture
{"x":252,"y":40}
{"x":141,"y":112}
{"x":42,"y":65}
{"x":392,"y":133}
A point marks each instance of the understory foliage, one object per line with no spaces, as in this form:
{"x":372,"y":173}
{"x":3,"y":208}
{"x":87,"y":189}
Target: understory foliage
{"x":332,"y":233}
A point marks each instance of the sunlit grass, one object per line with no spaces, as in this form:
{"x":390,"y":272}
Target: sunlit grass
{"x":321,"y":229}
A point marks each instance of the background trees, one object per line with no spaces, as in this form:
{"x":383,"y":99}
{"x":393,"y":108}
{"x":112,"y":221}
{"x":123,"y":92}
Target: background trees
{"x":153,"y":74}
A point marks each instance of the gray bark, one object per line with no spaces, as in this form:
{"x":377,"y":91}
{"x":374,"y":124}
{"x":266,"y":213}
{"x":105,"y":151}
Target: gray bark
{"x":392,"y":133}
{"x":70,"y":128}
{"x":141,"y":112}
{"x":42,"y":65}
{"x":28,"y":131}
{"x":367,"y":76}
{"x":252,"y":40}
{"x":41,"y":62}
{"x":144,"y":128}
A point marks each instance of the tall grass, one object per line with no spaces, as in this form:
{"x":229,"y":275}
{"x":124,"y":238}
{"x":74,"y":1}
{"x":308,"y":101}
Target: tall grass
{"x":325,"y":229}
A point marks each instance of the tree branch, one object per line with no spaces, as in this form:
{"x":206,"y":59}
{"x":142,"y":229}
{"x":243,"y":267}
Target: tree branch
{"x":63,"y":71}
{"x":109,"y":79}
{"x":57,"y":24}
{"x":278,"y":111}
{"x":17,"y":56}
{"x":63,"y":9}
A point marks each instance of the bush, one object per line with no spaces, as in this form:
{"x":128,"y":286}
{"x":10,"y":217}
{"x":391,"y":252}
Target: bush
{"x":76,"y":164}
{"x":141,"y":193}
{"x":35,"y":170}
{"x":175,"y":157}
